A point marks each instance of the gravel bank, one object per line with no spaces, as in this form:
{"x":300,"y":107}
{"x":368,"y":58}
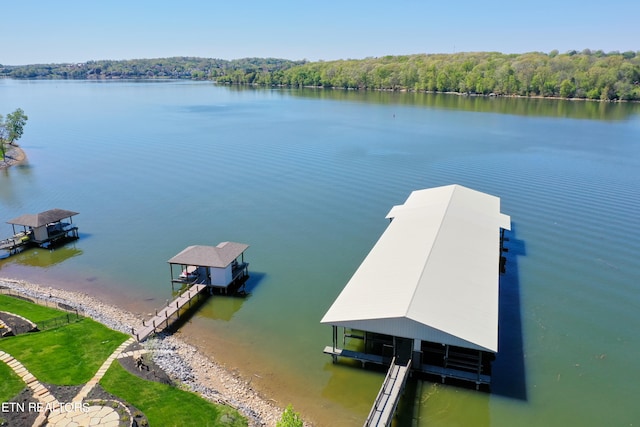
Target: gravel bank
{"x":181,"y":361}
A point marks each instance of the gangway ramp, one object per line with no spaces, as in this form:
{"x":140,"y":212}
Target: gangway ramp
{"x":163,"y":318}
{"x":386,"y":403}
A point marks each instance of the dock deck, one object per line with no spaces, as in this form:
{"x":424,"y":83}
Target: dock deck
{"x":15,"y":243}
{"x":164,"y":317}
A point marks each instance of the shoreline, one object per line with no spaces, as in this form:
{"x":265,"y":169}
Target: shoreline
{"x":13,"y":156}
{"x":183,"y":362}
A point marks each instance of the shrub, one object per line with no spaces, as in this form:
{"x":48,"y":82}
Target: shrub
{"x":290,"y":418}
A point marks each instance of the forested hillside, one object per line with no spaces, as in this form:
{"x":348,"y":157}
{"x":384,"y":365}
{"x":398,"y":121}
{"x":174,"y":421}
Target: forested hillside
{"x":585,"y":74}
{"x":592,"y":75}
{"x":174,"y":68}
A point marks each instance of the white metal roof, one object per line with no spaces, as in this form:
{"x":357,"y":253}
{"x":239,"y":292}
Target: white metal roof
{"x":433,"y":274}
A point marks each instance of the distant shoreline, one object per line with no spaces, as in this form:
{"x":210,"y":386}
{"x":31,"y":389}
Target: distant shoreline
{"x":13,"y":156}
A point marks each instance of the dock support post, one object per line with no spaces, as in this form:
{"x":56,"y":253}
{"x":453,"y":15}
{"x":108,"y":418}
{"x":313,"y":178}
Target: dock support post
{"x":335,"y":341}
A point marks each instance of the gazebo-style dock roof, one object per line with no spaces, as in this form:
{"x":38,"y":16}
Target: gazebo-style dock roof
{"x":42,"y":218}
{"x":213,"y":266}
{"x":210,"y":256}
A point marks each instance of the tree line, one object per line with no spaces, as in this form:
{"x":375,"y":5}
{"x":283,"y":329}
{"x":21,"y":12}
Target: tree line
{"x":172,"y":68}
{"x":586,"y":74}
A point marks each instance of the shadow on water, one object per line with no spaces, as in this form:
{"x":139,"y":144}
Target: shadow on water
{"x":84,"y":236}
{"x":254,"y":280}
{"x":508,"y":370}
{"x":221,"y":306}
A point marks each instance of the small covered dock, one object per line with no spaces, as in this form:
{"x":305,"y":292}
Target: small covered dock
{"x":219,"y":267}
{"x":196,"y":269}
{"x":427,"y":292}
{"x":43,"y":229}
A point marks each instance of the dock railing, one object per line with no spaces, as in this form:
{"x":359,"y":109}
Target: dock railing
{"x":387,"y":400}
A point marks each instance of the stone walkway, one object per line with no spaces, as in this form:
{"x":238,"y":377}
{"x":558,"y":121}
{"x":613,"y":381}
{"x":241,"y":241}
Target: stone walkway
{"x":103,"y":369}
{"x":74,"y":413}
{"x":40,"y":392}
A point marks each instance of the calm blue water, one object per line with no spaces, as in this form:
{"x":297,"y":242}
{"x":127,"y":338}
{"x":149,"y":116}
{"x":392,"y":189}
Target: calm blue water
{"x":306,"y":177}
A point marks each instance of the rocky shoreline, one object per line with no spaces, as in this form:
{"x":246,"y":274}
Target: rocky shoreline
{"x":182,"y":362}
{"x":12,"y":156}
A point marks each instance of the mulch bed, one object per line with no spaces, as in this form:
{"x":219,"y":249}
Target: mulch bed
{"x":148,"y":371}
{"x":17,"y":324}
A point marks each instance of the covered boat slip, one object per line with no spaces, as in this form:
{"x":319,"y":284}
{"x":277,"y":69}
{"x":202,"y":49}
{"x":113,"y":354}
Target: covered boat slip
{"x":214,"y":266}
{"x":428,"y":290}
{"x":200,"y":268}
{"x":42,"y":229}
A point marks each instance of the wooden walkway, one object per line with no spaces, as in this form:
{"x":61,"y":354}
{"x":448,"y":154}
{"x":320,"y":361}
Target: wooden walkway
{"x":163,"y":318}
{"x":386,"y":403}
{"x":13,"y":244}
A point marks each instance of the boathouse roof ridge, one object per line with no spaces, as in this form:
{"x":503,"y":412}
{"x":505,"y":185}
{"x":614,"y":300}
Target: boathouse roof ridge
{"x":218,"y":256}
{"x":42,"y":218}
{"x":433,"y":274}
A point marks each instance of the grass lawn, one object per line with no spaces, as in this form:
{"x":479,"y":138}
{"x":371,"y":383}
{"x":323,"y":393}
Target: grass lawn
{"x":165,"y":405}
{"x":34,"y":312}
{"x":10,"y":383}
{"x":68,"y":355}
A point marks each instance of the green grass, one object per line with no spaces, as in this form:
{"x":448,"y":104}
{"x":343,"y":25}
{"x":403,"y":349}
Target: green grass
{"x":166,"y":405}
{"x":34,"y":312}
{"x":71,"y":355}
{"x":10,"y":383}
{"x":68,"y":355}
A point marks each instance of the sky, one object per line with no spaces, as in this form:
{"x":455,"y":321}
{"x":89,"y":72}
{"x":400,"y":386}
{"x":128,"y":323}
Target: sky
{"x":45,"y":31}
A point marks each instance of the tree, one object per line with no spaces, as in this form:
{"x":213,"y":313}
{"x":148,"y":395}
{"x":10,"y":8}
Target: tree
{"x":567,"y":89}
{"x":3,"y":137}
{"x":14,"y":125}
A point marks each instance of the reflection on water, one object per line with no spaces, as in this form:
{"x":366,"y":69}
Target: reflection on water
{"x":480,"y":104}
{"x":341,"y":388}
{"x":222,"y":307}
{"x":44,"y":258}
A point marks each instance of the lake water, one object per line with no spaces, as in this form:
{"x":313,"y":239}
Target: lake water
{"x":306,"y":178}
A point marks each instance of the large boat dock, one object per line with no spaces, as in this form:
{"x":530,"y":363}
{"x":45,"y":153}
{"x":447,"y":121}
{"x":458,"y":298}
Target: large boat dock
{"x":426,"y":294}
